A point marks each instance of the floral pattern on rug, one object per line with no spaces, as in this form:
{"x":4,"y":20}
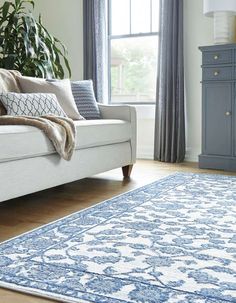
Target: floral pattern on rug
{"x":171,"y":241}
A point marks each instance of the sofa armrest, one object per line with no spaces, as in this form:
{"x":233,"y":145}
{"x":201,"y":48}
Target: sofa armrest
{"x":122,"y":112}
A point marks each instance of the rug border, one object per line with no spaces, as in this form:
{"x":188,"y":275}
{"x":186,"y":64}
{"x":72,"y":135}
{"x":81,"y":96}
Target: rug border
{"x":92,"y":206}
{"x":129,"y":191}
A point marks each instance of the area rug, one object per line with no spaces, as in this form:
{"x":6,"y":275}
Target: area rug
{"x":170,"y":241}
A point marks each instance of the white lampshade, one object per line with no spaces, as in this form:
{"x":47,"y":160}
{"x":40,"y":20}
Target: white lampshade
{"x":224,"y":12}
{"x":212,"y":6}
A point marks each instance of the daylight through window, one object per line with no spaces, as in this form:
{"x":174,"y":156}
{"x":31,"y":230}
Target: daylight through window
{"x":133,"y":47}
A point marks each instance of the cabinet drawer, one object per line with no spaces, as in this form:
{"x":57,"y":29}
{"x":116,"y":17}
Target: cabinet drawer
{"x":217,"y":73}
{"x":217,"y":57}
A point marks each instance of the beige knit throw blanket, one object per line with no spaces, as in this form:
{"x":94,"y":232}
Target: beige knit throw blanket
{"x":59,"y":130}
{"x":8,"y":83}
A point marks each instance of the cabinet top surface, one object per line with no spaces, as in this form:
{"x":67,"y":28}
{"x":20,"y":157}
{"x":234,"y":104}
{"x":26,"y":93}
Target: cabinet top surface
{"x":218,"y":47}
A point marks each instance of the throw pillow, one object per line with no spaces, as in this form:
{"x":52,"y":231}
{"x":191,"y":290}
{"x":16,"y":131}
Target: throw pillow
{"x":31,"y":104}
{"x":60,"y":88}
{"x":85,"y":99}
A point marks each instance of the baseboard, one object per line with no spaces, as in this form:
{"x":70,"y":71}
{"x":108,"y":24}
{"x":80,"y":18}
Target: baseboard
{"x":147,"y":153}
{"x":217,"y":162}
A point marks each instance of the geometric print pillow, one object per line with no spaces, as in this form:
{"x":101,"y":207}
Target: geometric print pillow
{"x":85,"y":99}
{"x":31,"y":104}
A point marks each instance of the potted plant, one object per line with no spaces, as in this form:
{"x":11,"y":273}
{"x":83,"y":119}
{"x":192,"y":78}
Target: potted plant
{"x":26,"y":45}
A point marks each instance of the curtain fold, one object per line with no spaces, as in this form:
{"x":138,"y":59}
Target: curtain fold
{"x":170,"y":107}
{"x":94,"y":16}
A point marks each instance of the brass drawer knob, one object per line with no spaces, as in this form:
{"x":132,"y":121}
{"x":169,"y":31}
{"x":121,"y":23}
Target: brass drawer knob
{"x":216,"y":57}
{"x":216,"y":73}
{"x":228,"y":113}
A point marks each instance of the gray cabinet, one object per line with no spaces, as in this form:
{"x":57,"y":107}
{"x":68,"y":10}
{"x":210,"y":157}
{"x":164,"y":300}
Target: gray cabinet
{"x":218,"y":107}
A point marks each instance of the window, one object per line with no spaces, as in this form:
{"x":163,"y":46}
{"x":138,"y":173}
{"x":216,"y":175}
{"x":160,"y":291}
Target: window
{"x":133,"y":45}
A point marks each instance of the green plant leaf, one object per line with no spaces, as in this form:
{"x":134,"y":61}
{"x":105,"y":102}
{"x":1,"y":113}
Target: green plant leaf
{"x":5,"y":9}
{"x":26,"y":45}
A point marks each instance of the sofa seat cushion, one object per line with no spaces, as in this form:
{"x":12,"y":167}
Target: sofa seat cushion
{"x":17,"y":142}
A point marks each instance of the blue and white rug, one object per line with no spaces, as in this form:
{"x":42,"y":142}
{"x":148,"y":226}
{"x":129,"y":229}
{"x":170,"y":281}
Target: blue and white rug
{"x":170,"y":241}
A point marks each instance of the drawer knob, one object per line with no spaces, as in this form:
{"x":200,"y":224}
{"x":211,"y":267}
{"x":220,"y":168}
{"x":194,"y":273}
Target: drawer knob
{"x":228,"y":113}
{"x":216,"y":73}
{"x":216,"y":57}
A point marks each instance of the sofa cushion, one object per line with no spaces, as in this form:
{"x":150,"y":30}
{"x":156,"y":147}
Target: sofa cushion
{"x":21,"y":141}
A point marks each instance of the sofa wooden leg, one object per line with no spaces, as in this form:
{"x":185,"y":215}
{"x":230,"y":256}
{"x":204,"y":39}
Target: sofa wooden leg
{"x":127,"y":170}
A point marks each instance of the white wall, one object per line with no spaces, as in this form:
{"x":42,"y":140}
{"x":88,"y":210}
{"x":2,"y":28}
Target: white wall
{"x":145,"y":131}
{"x":198,"y":32}
{"x":64,"y":19}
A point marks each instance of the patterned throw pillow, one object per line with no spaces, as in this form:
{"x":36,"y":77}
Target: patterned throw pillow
{"x":31,"y":104}
{"x":85,"y":99}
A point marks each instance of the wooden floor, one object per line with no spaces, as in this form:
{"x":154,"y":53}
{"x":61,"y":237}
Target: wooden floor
{"x":26,"y":213}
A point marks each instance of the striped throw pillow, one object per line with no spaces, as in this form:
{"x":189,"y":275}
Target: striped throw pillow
{"x":85,"y":99}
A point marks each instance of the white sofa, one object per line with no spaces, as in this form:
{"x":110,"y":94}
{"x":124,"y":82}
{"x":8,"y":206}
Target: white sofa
{"x":28,"y":162}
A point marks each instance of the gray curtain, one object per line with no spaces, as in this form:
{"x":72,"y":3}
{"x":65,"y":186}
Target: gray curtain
{"x":170,"y":117}
{"x":94,"y":16}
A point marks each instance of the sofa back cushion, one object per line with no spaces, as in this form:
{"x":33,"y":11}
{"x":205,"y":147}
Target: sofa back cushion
{"x":85,"y":99}
{"x":31,"y":104}
{"x":61,"y":88}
